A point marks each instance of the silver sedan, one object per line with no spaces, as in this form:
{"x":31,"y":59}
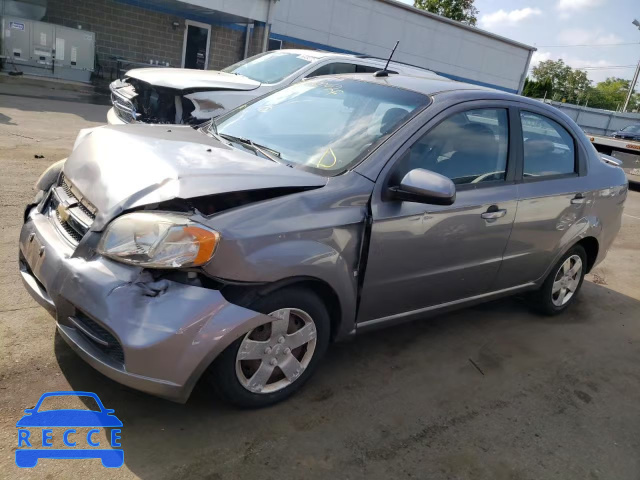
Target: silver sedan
{"x":235,"y":253}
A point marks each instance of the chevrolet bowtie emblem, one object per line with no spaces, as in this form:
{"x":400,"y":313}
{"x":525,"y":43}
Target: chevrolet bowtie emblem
{"x":63,"y":212}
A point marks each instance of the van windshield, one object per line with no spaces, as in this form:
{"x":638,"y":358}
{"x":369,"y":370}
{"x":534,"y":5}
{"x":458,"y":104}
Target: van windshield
{"x":324,"y":125}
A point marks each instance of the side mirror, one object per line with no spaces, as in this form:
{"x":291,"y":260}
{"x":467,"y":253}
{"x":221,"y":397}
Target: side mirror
{"x":424,"y":186}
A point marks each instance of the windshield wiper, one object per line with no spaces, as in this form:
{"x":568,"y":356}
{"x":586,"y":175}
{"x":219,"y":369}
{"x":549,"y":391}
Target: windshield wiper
{"x":211,"y":128}
{"x":267,"y":152}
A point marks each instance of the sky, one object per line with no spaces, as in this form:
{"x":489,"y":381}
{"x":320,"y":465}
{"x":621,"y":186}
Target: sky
{"x":552,"y":25}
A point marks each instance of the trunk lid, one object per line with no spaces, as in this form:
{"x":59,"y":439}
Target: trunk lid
{"x":117,"y":168}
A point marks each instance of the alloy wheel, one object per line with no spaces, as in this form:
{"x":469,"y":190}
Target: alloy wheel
{"x":274,"y":355}
{"x":566,"y":281}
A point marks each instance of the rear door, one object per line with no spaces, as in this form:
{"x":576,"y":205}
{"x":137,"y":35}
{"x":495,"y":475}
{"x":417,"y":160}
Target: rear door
{"x":421,"y":256}
{"x":552,"y":197}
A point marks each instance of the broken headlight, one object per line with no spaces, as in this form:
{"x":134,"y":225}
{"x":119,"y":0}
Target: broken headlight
{"x":158,"y":240}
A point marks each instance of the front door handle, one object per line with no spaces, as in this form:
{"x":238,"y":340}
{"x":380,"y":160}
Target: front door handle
{"x":493,"y":213}
{"x":578,"y":199}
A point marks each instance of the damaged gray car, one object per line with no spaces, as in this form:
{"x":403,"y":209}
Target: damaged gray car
{"x":237,"y":252}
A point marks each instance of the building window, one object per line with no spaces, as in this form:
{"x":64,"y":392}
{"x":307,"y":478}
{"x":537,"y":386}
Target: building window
{"x":275,"y":44}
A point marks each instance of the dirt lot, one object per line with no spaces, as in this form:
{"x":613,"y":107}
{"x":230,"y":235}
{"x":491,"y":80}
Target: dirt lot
{"x":557,"y":398}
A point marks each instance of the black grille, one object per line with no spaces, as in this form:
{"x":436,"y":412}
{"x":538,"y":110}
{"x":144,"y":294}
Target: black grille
{"x":77,"y":236}
{"x":76,"y":217}
{"x":86,"y":211}
{"x":113,"y":350}
{"x":81,"y":202}
{"x":65,"y":186}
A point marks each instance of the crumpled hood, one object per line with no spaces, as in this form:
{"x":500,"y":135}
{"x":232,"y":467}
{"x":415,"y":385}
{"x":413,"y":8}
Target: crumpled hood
{"x":118,"y":167}
{"x":191,"y":79}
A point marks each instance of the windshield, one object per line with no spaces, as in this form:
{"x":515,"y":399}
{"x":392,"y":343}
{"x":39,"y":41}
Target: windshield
{"x":270,"y":67}
{"x":323,"y":125}
{"x":632,"y":129}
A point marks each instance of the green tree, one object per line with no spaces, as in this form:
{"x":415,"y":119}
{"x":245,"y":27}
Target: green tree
{"x":576,"y":86}
{"x":610,"y":94}
{"x":541,"y":89}
{"x":568,"y":85}
{"x":461,"y":10}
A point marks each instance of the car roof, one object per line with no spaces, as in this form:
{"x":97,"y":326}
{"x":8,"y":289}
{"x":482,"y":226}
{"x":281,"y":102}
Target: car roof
{"x":420,"y":84}
{"x":438,"y":85}
{"x":321,"y":55}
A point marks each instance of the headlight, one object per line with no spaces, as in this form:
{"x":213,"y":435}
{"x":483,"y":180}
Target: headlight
{"x":158,"y":240}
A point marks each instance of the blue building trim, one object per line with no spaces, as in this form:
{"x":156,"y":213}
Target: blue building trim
{"x":476,"y":82}
{"x":307,"y":43}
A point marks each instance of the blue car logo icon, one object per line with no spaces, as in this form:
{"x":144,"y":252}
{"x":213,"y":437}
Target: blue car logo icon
{"x":29,"y":443}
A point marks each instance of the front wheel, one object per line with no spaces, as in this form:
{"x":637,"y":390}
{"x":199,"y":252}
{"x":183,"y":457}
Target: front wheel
{"x":272,"y":361}
{"x":563,"y":283}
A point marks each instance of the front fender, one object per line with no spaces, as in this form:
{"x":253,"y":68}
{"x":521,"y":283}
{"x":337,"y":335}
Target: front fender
{"x":303,"y":258}
{"x":315,"y":234}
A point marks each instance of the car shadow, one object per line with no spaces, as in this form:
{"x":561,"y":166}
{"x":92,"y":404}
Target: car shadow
{"x":87,"y":106}
{"x":434,"y":370}
{"x":5,"y":120}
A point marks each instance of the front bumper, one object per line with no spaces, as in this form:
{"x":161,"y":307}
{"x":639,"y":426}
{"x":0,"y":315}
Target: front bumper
{"x":160,"y":339}
{"x":113,"y":118}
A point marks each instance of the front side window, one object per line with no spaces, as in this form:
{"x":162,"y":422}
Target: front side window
{"x":323,"y":125}
{"x":548,"y":147}
{"x":468,"y":147}
{"x":270,"y":67}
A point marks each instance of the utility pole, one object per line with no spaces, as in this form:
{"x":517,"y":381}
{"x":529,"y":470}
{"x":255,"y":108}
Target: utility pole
{"x":632,"y":86}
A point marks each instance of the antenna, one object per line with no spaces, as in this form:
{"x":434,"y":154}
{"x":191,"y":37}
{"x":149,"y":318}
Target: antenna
{"x":384,"y":72}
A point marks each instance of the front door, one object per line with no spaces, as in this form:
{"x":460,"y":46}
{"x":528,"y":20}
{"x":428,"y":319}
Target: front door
{"x":422,"y":255}
{"x":195,"y":51}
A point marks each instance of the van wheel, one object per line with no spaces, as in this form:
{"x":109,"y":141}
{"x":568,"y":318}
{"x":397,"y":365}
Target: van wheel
{"x":272,"y":361}
{"x":563,"y":283}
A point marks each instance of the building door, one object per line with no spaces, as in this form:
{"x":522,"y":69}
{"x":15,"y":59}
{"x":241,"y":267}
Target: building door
{"x":195,"y":50}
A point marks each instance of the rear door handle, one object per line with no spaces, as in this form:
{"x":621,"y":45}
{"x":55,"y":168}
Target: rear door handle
{"x":493,"y":213}
{"x":578,"y":199}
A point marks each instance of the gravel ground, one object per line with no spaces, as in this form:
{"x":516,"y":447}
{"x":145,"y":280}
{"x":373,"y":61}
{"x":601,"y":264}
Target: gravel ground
{"x":551,"y":398}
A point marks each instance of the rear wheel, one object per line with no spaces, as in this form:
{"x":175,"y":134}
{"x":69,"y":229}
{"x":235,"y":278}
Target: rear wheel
{"x":563,"y":283}
{"x":272,"y":361}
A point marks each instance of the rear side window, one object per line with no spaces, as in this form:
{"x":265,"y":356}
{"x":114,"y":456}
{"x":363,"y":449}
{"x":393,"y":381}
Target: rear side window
{"x":548,"y":148}
{"x":333,"y":69}
{"x":468,"y":147}
{"x":367,"y":69}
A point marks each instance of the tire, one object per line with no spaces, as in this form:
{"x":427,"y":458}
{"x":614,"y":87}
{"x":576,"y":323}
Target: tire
{"x":233,"y":377}
{"x":547,"y":300}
